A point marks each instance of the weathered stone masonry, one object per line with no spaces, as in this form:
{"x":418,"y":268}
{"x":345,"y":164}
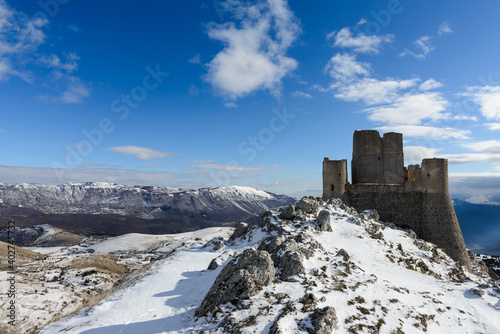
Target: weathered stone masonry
{"x":416,"y":196}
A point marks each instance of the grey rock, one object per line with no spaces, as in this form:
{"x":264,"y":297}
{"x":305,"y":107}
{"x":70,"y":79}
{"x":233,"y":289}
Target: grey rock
{"x":342,"y":252}
{"x":477,"y":292}
{"x":215,"y":243}
{"x":370,"y":214}
{"x":240,"y":231}
{"x":288,"y":213}
{"x":291,"y":263}
{"x":323,"y":221}
{"x":239,"y":279}
{"x":213,"y":265}
{"x":271,"y":244}
{"x":324,"y":320}
{"x":308,"y":205}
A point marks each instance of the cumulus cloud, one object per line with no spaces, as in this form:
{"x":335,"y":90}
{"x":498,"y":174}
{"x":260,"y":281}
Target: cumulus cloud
{"x":372,"y":91}
{"x":493,"y":126}
{"x":143,"y":153}
{"x":345,"y":67}
{"x":360,"y":42}
{"x":488,"y":98}
{"x":430,"y":84}
{"x":415,"y":154}
{"x":410,"y":109}
{"x":254,"y":56}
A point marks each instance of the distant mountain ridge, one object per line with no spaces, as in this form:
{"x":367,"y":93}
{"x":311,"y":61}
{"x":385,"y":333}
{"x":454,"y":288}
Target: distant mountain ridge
{"x":108,"y":208}
{"x":480,"y":225}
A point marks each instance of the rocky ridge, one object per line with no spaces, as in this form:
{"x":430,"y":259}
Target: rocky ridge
{"x":249,"y":290}
{"x":311,"y":268}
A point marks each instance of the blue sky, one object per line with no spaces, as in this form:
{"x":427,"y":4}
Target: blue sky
{"x":210,"y":93}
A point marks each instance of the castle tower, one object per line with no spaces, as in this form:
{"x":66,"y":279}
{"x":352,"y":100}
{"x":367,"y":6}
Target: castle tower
{"x":439,"y":220}
{"x":334,"y":178}
{"x":377,"y":160}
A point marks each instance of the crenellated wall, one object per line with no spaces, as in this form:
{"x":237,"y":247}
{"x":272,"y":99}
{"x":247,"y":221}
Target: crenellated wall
{"x":416,"y":197}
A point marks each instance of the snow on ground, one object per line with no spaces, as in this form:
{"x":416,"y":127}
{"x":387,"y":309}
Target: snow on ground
{"x":390,"y":282}
{"x":135,"y":242}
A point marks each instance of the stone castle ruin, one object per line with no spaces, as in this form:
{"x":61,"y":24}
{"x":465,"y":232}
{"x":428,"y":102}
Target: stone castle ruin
{"x":416,"y":196}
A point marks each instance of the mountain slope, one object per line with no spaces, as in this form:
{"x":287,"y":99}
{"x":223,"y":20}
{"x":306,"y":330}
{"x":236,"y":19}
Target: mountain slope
{"x":111,"y":209}
{"x":330,"y":267}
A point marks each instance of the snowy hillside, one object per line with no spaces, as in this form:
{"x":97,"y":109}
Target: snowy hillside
{"x":318,"y":268}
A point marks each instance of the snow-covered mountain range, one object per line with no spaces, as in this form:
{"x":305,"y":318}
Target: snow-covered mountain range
{"x":143,"y":201}
{"x":113,"y":209}
{"x":315,"y":268}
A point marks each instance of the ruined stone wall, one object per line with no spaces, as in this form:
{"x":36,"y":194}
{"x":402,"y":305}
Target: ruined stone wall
{"x":377,"y":160}
{"x":394,"y":203}
{"x":416,"y":197}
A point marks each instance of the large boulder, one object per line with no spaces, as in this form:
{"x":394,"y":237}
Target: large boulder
{"x":323,"y":221}
{"x":240,"y":279}
{"x":308,"y":205}
{"x":288,"y":213}
{"x":291,"y":263}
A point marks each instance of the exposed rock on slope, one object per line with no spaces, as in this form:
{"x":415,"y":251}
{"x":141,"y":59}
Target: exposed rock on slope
{"x":363,"y":276}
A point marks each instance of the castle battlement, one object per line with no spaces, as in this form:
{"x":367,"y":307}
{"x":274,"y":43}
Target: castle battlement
{"x":416,"y":196}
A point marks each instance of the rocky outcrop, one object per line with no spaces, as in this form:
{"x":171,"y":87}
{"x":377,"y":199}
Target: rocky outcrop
{"x":240,"y":279}
{"x":324,"y":320}
{"x":308,"y":205}
{"x":240,"y":231}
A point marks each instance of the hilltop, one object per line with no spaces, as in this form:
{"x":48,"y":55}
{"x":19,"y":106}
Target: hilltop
{"x":311,"y":269}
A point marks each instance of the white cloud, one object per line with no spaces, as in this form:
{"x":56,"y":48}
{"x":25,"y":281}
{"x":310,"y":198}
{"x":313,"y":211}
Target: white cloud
{"x":227,"y":168}
{"x":372,"y":91}
{"x":345,"y":67}
{"x":410,"y":109}
{"x":444,"y":28}
{"x":361,"y":43}
{"x":53,"y":61}
{"x":301,"y":94}
{"x":254,"y":56}
{"x":493,"y":126}
{"x":488,"y":98}
{"x":75,"y":91}
{"x":427,"y":132}
{"x":20,"y":37}
{"x":424,"y":47}
{"x":196,"y":59}
{"x":202,"y":161}
{"x":415,"y":154}
{"x":465,"y":118}
{"x":230,"y":104}
{"x":142,"y":153}
{"x":430,"y":84}
{"x":488,"y":146}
